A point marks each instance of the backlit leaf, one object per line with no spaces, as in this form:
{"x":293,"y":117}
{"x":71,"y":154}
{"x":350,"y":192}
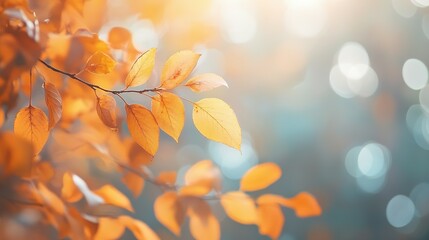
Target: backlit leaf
{"x":143,"y":127}
{"x":239,"y":207}
{"x":169,"y":112}
{"x":177,"y":68}
{"x":138,"y":228}
{"x":201,"y":178}
{"x":16,"y":155}
{"x":141,"y":69}
{"x":202,"y":223}
{"x":169,"y":212}
{"x":69,"y":191}
{"x":113,"y":196}
{"x":32,"y":124}
{"x":134,"y":182}
{"x":215,"y":120}
{"x":119,"y":37}
{"x":304,"y":205}
{"x":260,"y":177}
{"x":54,"y":103}
{"x":109,"y":229}
{"x":106,"y":110}
{"x":205,"y":82}
{"x":100,"y":63}
{"x":50,"y":199}
{"x":271,"y":220}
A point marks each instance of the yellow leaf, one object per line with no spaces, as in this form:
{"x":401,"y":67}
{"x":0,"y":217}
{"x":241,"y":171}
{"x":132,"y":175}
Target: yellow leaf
{"x":113,"y":196}
{"x":16,"y":155}
{"x":69,"y":191}
{"x":169,"y":212}
{"x":215,"y":120}
{"x":177,"y":68}
{"x":54,"y":103}
{"x":169,"y":112}
{"x":141,"y":69}
{"x":239,"y":207}
{"x":134,"y":182}
{"x":106,"y":110}
{"x":304,"y":205}
{"x":32,"y":124}
{"x":109,"y":229}
{"x":260,"y":177}
{"x":202,"y":223}
{"x":201,"y":178}
{"x":271,"y":220}
{"x":140,"y":230}
{"x":100,"y":63}
{"x":205,"y":82}
{"x":143,"y":127}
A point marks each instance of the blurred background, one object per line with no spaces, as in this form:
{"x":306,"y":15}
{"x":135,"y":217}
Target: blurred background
{"x":334,"y":91}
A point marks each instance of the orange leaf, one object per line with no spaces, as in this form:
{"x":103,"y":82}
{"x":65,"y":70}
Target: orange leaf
{"x":169,"y":112}
{"x":100,"y":63}
{"x":32,"y":124}
{"x":205,"y":82}
{"x":143,"y":127}
{"x":109,"y":229}
{"x":202,"y":223}
{"x":16,"y":155}
{"x":134,"y":182}
{"x":141,"y":69}
{"x":50,"y":199}
{"x":167,"y":177}
{"x":138,"y":228}
{"x":169,"y":212}
{"x":260,"y":177}
{"x":1,"y":117}
{"x":54,"y":103}
{"x":201,"y":178}
{"x":177,"y":68}
{"x":239,"y":207}
{"x":119,"y":37}
{"x":215,"y":120}
{"x":304,"y":204}
{"x":70,"y":192}
{"x":106,"y":110}
{"x":271,"y":220}
{"x":113,"y":196}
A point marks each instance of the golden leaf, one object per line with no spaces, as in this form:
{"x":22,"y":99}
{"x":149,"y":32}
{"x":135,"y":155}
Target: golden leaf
{"x":169,"y":112}
{"x":215,"y":120}
{"x":205,"y":82}
{"x":54,"y":103}
{"x":143,"y":127}
{"x":16,"y":155}
{"x":100,"y":63}
{"x":106,"y":110}
{"x":304,"y":205}
{"x":167,"y":177}
{"x":32,"y":124}
{"x":177,"y":68}
{"x":271,"y":220}
{"x":69,"y":191}
{"x":141,"y":69}
{"x":134,"y":182}
{"x":202,"y":223}
{"x":260,"y":177}
{"x":239,"y":207}
{"x":201,"y":178}
{"x":169,"y":212}
{"x":109,"y":229}
{"x":138,"y":228}
{"x":113,"y":196}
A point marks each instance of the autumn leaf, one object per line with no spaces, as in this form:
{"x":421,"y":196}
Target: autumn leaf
{"x":54,"y":103}
{"x":202,"y":223}
{"x":100,"y":63}
{"x":16,"y":155}
{"x":141,"y":69}
{"x":32,"y":124}
{"x":113,"y":196}
{"x":169,"y":112}
{"x":1,"y":117}
{"x":169,"y":212}
{"x":215,"y":120}
{"x":304,"y":205}
{"x":205,"y":82}
{"x":271,"y":220}
{"x":134,"y":182}
{"x":106,"y":110}
{"x":50,"y":199}
{"x":177,"y":68}
{"x":167,"y":177}
{"x":239,"y":207}
{"x":138,"y":228}
{"x":109,"y":229}
{"x":69,"y":191}
{"x":260,"y":177}
{"x":143,"y":127}
{"x":201,"y":178}
{"x":119,"y":37}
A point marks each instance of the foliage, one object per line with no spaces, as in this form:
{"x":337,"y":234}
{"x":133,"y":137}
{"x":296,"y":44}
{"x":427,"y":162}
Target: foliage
{"x":82,"y":78}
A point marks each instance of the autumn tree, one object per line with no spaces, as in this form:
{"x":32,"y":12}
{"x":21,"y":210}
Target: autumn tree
{"x":73,"y":107}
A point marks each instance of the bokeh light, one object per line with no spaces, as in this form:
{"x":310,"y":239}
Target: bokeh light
{"x":415,"y":74}
{"x":400,"y":211}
